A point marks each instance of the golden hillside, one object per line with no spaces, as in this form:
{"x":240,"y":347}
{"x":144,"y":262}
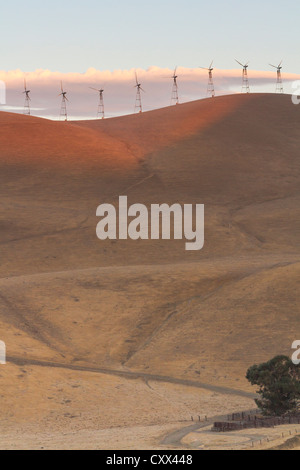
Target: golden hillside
{"x":147,"y":308}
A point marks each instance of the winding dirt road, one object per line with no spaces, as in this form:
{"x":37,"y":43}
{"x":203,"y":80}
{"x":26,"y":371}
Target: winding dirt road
{"x":130,"y":375}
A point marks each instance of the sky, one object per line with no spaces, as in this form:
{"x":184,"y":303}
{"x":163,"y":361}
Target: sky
{"x":76,"y":40}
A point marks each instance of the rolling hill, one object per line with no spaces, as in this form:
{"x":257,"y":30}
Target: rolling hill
{"x":126,"y":314}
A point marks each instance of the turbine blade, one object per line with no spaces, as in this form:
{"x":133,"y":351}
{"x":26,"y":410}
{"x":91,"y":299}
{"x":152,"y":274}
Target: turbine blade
{"x":239,"y":62}
{"x":273,"y":66}
{"x":211,"y":64}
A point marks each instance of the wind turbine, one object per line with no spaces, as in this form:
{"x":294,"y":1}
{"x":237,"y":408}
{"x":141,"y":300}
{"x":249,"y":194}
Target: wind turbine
{"x":174,"y":95}
{"x":63,"y":109}
{"x":138,"y":99}
{"x":27,"y":99}
{"x":245,"y":82}
{"x":210,"y":86}
{"x":100,"y":113}
{"x":279,"y":86}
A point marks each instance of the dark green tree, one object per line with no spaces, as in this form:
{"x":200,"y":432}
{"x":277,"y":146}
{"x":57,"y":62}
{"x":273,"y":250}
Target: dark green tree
{"x":279,"y":386}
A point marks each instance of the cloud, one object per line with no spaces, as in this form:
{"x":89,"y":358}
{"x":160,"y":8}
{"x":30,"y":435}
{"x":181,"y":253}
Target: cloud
{"x":120,"y":91}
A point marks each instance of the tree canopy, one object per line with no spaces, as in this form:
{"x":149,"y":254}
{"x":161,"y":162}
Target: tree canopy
{"x":279,"y":386}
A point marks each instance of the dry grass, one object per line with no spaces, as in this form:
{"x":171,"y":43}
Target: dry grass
{"x":141,"y":306}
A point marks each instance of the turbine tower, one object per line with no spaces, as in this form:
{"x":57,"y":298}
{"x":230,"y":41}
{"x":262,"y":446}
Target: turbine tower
{"x":210,"y":86}
{"x":63,"y":109}
{"x":138,"y":100}
{"x":245,"y":82}
{"x":100,"y":112}
{"x":279,"y":85}
{"x":174,"y":95}
{"x":27,"y":100}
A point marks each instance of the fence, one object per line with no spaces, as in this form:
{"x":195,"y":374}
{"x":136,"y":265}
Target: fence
{"x":238,"y":421}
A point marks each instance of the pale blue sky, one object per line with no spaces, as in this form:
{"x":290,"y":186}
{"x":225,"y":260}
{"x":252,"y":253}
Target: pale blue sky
{"x":71,"y":36}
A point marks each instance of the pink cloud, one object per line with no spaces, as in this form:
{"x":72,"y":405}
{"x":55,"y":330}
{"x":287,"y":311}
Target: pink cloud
{"x":120,"y":91}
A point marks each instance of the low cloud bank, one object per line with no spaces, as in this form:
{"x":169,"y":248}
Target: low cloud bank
{"x":119,"y":87}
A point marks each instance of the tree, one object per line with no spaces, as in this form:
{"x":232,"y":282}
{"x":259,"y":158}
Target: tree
{"x":279,"y":386}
